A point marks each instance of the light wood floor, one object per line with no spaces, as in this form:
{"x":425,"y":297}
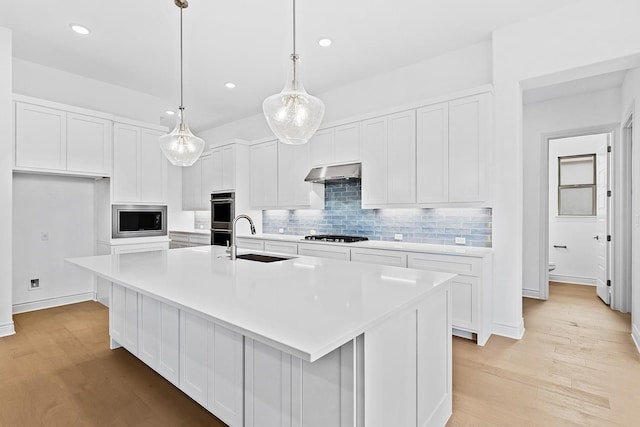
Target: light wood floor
{"x":576,"y":365}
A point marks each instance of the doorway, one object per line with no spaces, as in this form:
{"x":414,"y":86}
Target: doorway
{"x":579,"y":220}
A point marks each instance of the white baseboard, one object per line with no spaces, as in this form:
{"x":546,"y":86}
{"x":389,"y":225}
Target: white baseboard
{"x":530,"y":293}
{"x":7,"y":329}
{"x":52,"y":302}
{"x":635,"y":334}
{"x":577,"y":280}
{"x":509,"y":331}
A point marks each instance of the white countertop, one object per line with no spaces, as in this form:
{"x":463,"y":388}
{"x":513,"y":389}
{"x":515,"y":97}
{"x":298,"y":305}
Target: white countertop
{"x":305,"y":306}
{"x":382,"y":244}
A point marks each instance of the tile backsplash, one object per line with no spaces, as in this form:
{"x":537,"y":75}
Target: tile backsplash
{"x":343,"y":215}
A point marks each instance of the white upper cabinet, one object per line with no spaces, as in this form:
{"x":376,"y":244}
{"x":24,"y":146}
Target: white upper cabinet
{"x":433,"y":154}
{"x":139,"y":167}
{"x":222,"y":177}
{"x":193,"y":178}
{"x":88,"y":144}
{"x":469,"y":140}
{"x":264,"y":175}
{"x":388,"y":160}
{"x":452,"y":150}
{"x":336,"y":145}
{"x":293,"y":166}
{"x":51,"y":139}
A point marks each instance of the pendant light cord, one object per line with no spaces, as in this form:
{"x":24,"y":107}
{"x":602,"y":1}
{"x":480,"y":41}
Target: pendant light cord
{"x":294,"y":55}
{"x":181,"y":84}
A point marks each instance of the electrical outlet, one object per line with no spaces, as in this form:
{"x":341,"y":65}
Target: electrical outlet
{"x":397,"y":236}
{"x":34,"y":284}
{"x":312,"y":232}
{"x":281,"y":230}
{"x":461,"y":241}
{"x":44,"y":235}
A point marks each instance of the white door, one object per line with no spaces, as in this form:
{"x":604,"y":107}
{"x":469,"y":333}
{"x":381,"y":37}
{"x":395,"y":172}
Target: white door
{"x":602,"y":212}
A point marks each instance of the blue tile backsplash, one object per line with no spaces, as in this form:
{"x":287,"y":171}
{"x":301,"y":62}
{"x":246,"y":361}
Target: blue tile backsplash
{"x":343,"y":215}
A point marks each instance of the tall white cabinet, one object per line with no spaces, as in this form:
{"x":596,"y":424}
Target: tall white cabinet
{"x":139,"y":167}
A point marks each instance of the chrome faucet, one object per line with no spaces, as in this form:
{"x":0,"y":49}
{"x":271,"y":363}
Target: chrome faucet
{"x":233,"y":249}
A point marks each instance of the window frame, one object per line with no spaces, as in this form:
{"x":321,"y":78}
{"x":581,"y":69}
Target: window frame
{"x":594,"y":186}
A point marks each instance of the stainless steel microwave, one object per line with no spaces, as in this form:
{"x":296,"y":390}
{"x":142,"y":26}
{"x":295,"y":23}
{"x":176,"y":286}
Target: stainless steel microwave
{"x":138,"y":221}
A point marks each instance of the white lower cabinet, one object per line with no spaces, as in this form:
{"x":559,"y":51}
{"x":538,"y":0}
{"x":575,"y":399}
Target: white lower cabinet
{"x":249,"y":243}
{"x":325,"y":251}
{"x":123,"y":318}
{"x":283,"y":390}
{"x":281,"y":247}
{"x":193,"y":357}
{"x":379,"y":256}
{"x":159,"y":337}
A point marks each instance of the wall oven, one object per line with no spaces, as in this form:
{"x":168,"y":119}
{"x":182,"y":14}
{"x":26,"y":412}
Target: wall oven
{"x":222,"y":214}
{"x":138,"y":221}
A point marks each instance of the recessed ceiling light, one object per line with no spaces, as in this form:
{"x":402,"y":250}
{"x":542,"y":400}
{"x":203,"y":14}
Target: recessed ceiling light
{"x":169,"y":113}
{"x":325,"y":42}
{"x":230,"y":85}
{"x":80,"y":29}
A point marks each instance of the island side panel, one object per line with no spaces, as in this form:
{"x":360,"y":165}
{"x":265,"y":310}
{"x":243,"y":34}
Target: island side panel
{"x":407,"y":366}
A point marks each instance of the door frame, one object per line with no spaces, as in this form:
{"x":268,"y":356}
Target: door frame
{"x":543,"y":229}
{"x":622,"y":221}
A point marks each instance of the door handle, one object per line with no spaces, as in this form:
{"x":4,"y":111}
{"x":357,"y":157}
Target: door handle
{"x":560,"y":246}
{"x":596,"y":237}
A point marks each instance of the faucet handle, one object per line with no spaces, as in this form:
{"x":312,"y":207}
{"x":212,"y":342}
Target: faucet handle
{"x":228,"y":250}
{"x":253,"y":229}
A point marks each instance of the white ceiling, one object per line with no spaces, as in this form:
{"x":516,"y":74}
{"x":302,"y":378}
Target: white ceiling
{"x":134,"y":43}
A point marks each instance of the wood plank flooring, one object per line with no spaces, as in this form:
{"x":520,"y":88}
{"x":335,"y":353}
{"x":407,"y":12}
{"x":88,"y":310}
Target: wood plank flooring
{"x":58,"y":371}
{"x":576,"y":366}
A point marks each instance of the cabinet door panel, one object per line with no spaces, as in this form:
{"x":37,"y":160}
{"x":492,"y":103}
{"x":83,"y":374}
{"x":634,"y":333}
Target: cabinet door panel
{"x":469,"y":128}
{"x":169,"y":356}
{"x":117,"y":313}
{"x":226,"y":388}
{"x":264,"y":175}
{"x":193,"y":380}
{"x":228,"y":168}
{"x":464,"y":302}
{"x":401,"y":162}
{"x":433,"y":154}
{"x":88,"y":144}
{"x":149,"y":331}
{"x":211,"y":178}
{"x":347,"y":143}
{"x":321,"y":147}
{"x":125,"y":163}
{"x":379,"y":256}
{"x":153,"y":168}
{"x":281,"y":247}
{"x":293,"y":166}
{"x":335,"y":252}
{"x":374,"y":161}
{"x":41,"y":135}
{"x":192,"y":186}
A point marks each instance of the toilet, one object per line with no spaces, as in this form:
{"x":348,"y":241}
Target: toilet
{"x":552,"y":266}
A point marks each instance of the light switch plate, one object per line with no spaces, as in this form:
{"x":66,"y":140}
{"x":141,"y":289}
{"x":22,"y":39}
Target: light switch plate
{"x":461,"y":240}
{"x":397,"y":236}
{"x":312,"y":232}
{"x":281,"y":230}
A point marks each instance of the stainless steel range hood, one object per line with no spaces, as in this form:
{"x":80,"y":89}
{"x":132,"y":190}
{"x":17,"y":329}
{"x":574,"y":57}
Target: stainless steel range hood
{"x":329,"y":173}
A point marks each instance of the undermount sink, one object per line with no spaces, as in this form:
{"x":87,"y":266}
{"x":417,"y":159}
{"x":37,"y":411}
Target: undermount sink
{"x":262,"y":258}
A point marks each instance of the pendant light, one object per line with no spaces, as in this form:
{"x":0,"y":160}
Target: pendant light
{"x":293,"y":115}
{"x":180,"y":146}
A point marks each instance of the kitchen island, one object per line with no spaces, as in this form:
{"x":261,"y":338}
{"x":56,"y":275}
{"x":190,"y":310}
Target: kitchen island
{"x":300,"y":342}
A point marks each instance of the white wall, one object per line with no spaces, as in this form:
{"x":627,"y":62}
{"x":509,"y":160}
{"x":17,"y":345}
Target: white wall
{"x":589,"y":37}
{"x":631,"y":102}
{"x":454,"y":71}
{"x":6,"y":320}
{"x":62,"y":207}
{"x":577,"y":263}
{"x":558,"y":116}
{"x":43,"y":82}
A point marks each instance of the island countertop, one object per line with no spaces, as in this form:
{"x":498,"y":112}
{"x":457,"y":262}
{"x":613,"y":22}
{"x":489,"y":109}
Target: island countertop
{"x":304,"y":306}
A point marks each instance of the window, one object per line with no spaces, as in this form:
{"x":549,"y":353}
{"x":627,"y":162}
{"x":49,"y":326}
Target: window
{"x":577,"y":185}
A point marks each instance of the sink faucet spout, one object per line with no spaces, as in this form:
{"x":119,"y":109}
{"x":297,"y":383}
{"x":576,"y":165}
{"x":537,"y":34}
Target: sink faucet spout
{"x":233,"y":249}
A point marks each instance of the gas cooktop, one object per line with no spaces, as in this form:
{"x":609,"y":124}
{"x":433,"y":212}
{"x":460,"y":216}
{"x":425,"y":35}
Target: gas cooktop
{"x":335,"y":238}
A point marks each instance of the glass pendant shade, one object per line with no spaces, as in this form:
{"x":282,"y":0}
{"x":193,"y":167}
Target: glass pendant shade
{"x":293,"y":115}
{"x":180,"y":146}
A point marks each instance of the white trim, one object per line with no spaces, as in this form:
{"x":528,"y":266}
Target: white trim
{"x":635,"y":335}
{"x":53,"y":302}
{"x":531,"y":293}
{"x":7,"y":329}
{"x":487,"y":88}
{"x":576,"y":280}
{"x":509,"y":331}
